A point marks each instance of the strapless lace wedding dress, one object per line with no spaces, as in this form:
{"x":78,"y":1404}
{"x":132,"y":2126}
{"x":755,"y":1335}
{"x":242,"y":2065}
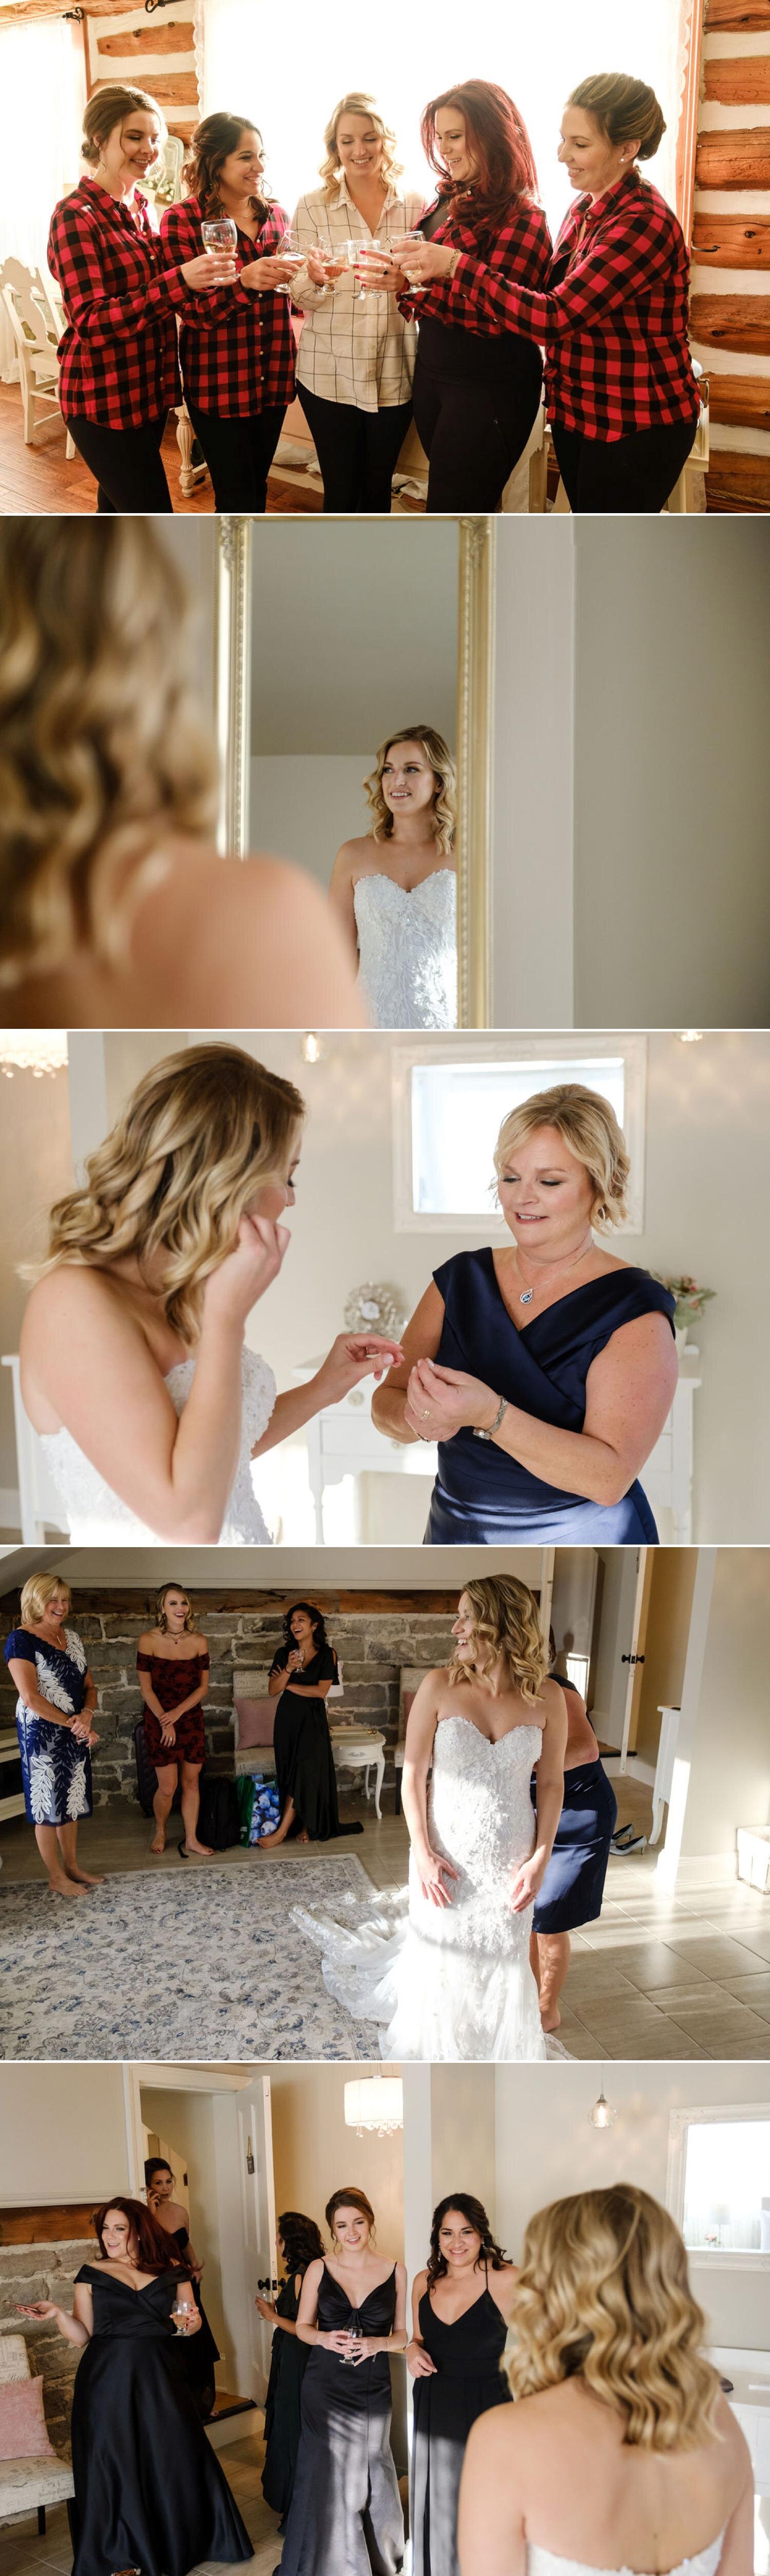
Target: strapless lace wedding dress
{"x":542,"y":2562}
{"x":451,"y":1982}
{"x":95,"y":1514}
{"x":407,"y":945}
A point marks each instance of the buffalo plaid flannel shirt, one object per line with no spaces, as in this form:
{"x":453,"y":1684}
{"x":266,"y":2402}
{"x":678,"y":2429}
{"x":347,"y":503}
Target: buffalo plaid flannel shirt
{"x":614,"y":318}
{"x":519,"y":255}
{"x":118,"y":355}
{"x":237,"y":354}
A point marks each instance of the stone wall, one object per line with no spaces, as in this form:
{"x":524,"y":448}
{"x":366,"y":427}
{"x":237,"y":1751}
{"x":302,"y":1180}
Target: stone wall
{"x":44,"y":2272}
{"x":244,"y":1628}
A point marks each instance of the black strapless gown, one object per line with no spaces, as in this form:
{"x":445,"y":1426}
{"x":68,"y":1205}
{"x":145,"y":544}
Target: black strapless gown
{"x":283,"y":2417}
{"x":198,"y":2354}
{"x":468,"y":2381}
{"x":149,"y":2491}
{"x":346,"y":2517}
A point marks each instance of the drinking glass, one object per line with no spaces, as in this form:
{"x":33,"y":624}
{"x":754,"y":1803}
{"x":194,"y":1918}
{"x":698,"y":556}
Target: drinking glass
{"x":289,"y":248}
{"x":181,"y":2313}
{"x":358,"y":251}
{"x":405,"y":239}
{"x":221,"y":234}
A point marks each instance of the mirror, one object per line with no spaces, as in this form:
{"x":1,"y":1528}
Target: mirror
{"x":330,"y":634}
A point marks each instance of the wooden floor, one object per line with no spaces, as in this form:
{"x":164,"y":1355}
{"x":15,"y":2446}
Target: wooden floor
{"x":38,"y":481}
{"x":657,"y":1976}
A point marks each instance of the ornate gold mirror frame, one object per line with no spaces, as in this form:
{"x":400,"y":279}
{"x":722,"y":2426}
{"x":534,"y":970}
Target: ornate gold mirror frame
{"x":475,"y":683}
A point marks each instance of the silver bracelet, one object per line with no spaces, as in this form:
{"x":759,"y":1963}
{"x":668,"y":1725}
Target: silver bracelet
{"x":494,"y":1426}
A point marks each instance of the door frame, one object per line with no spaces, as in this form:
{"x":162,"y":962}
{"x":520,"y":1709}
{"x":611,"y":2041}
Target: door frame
{"x":171,"y":2078}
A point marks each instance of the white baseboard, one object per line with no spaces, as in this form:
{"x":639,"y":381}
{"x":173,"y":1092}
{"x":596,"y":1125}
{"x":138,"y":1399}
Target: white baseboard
{"x":10,"y":1508}
{"x":233,"y":2428}
{"x":634,"y":1770}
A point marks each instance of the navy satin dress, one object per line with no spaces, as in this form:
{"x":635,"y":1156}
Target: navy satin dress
{"x":483,"y":1497}
{"x":573,"y":1886}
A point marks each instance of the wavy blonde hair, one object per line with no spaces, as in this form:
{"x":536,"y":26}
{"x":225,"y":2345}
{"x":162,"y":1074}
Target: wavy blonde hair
{"x":200,"y":1135}
{"x":589,"y":1127}
{"x":104,"y":753}
{"x":38,"y":1590}
{"x":358,"y":103}
{"x":160,"y":1606}
{"x":604,"y":2294}
{"x":439,"y":756}
{"x":506,"y":1621}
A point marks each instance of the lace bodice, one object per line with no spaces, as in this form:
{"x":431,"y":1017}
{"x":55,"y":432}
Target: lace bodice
{"x":542,"y":2562}
{"x":408,"y":950}
{"x":480,"y":1816}
{"x":95,"y":1513}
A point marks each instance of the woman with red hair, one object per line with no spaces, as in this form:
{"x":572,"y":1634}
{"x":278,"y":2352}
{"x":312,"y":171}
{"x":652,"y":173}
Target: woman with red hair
{"x":476,"y":391}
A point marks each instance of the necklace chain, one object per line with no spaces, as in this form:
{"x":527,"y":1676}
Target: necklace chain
{"x":526,"y":1295}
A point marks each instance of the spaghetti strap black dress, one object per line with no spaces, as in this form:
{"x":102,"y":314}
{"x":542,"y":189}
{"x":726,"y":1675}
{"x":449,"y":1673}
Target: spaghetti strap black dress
{"x":346,"y":2517}
{"x":149,"y":2491}
{"x":468,"y":2380}
{"x":283,"y":2424}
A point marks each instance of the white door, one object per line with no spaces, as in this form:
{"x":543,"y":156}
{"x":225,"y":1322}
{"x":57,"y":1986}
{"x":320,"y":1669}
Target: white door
{"x":619,"y":1645}
{"x":247,"y":2224}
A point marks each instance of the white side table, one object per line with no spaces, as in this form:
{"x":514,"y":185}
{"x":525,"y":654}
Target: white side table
{"x":360,"y":1748}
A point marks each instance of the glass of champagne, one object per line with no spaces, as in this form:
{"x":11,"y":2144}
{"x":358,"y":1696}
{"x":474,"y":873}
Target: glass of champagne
{"x":289,"y":249}
{"x":357,"y":253}
{"x":181,"y":2313}
{"x":334,"y":262}
{"x":403,"y":255}
{"x":219,"y":236}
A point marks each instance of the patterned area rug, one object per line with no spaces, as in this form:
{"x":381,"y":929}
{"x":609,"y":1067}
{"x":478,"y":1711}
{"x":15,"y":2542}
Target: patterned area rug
{"x":145,"y":1968}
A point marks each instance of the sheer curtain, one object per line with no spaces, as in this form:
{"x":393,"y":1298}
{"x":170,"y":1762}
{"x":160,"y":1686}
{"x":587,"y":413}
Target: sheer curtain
{"x":288,"y":79}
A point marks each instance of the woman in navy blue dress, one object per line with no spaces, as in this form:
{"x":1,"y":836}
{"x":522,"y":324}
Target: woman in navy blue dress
{"x":546,"y":1369}
{"x":573,"y":1886}
{"x":56,"y":1700}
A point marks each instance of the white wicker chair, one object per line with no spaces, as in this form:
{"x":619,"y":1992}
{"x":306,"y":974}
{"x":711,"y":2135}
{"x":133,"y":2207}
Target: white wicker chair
{"x":27,"y":2486}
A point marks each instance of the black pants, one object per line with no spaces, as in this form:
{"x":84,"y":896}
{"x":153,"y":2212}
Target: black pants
{"x":474,"y":434}
{"x":126,"y":463}
{"x":357,"y":451}
{"x":238,"y":453}
{"x":620,"y":477}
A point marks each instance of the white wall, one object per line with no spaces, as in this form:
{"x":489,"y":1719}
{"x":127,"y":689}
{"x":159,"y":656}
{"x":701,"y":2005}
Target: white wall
{"x":62,"y":2133}
{"x":354,"y":631}
{"x":730,"y":1769}
{"x":305,"y":807}
{"x":533,"y":783}
{"x":35,"y":1169}
{"x":546,"y":2147}
{"x":672,"y":773}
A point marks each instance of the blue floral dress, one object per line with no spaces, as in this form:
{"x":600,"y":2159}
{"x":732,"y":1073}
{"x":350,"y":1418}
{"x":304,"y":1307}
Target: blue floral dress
{"x":55,"y":1767}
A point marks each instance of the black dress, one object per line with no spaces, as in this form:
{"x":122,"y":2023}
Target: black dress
{"x":198,"y":2353}
{"x":346,"y":2517}
{"x":304,"y":1763}
{"x":149,"y":2491}
{"x":468,"y":2381}
{"x":283,"y":2424}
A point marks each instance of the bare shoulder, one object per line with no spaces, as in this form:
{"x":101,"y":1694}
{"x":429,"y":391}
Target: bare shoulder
{"x":261,"y":947}
{"x":72,"y":1294}
{"x":401,"y":2275}
{"x":420,"y":2283}
{"x":148,"y":1639}
{"x":551,"y":1696}
{"x":353,"y":853}
{"x":314,"y":2273}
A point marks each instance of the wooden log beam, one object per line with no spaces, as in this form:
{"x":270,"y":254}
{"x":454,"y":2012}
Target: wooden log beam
{"x":740,"y":80}
{"x":732,"y":322}
{"x":731,"y":241}
{"x":737,"y":482}
{"x":171,"y":89}
{"x":742,"y":17}
{"x":743,"y":401}
{"x":736,"y":159}
{"x":171,"y":37}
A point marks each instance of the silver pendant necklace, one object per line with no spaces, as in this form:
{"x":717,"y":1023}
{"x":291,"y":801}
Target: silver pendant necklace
{"x":525,"y":1296}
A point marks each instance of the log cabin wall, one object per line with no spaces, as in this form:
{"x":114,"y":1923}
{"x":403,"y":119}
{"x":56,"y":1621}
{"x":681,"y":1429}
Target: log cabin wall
{"x":156,"y":52}
{"x":731,"y":250}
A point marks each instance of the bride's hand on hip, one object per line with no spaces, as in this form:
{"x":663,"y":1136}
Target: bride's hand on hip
{"x":526,"y":1884}
{"x":432,"y":1870}
{"x":244,"y":1276}
{"x":418,"y":2362}
{"x":353,"y":1356}
{"x":441,"y":1401}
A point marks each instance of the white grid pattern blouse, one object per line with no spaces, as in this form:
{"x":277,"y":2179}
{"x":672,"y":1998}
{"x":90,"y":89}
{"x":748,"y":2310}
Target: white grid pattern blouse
{"x":349,"y":351}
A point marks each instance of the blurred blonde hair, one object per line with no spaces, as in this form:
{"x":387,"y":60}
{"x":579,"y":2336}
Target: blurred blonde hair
{"x":105,"y":756}
{"x":506,"y":1621}
{"x":358,"y":103}
{"x":604,"y":2294}
{"x":38,"y":1590}
{"x":588,"y":1126}
{"x":439,"y":756}
{"x":199,"y":1136}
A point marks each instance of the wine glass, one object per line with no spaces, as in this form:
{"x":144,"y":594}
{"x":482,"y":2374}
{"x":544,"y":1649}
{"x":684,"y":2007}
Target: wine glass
{"x":404,"y":241}
{"x":354,"y":2330}
{"x":289,"y":248}
{"x":220,"y":235}
{"x":181,"y":2313}
{"x":334,"y":260}
{"x":357,"y":252}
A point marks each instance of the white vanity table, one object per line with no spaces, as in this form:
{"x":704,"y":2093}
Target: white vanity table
{"x":342,"y":1441}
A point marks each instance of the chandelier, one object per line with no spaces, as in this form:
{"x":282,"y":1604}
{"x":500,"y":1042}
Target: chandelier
{"x":36,"y":1051}
{"x":375,"y":2104}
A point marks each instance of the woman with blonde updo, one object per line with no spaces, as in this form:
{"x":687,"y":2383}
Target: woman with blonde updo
{"x":545,"y":1369}
{"x":621,"y":2450}
{"x":356,"y":354}
{"x":135,"y":1371}
{"x":115,"y":911}
{"x":57,"y":1698}
{"x":119,"y":372}
{"x":454,"y":1980}
{"x":395,"y":888}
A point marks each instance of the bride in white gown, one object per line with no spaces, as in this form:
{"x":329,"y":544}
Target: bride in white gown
{"x":395,"y":888}
{"x":444,"y":1965}
{"x":134,"y":1369}
{"x":621,"y":2455}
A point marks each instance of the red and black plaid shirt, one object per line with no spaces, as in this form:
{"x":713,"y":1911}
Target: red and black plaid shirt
{"x":118,"y":357}
{"x":519,"y":255}
{"x":238,"y":354}
{"x":614,"y":319}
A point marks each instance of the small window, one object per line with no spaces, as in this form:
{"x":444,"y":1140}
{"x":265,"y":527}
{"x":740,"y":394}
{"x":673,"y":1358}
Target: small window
{"x":721,"y":2183}
{"x":450,"y":1103}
